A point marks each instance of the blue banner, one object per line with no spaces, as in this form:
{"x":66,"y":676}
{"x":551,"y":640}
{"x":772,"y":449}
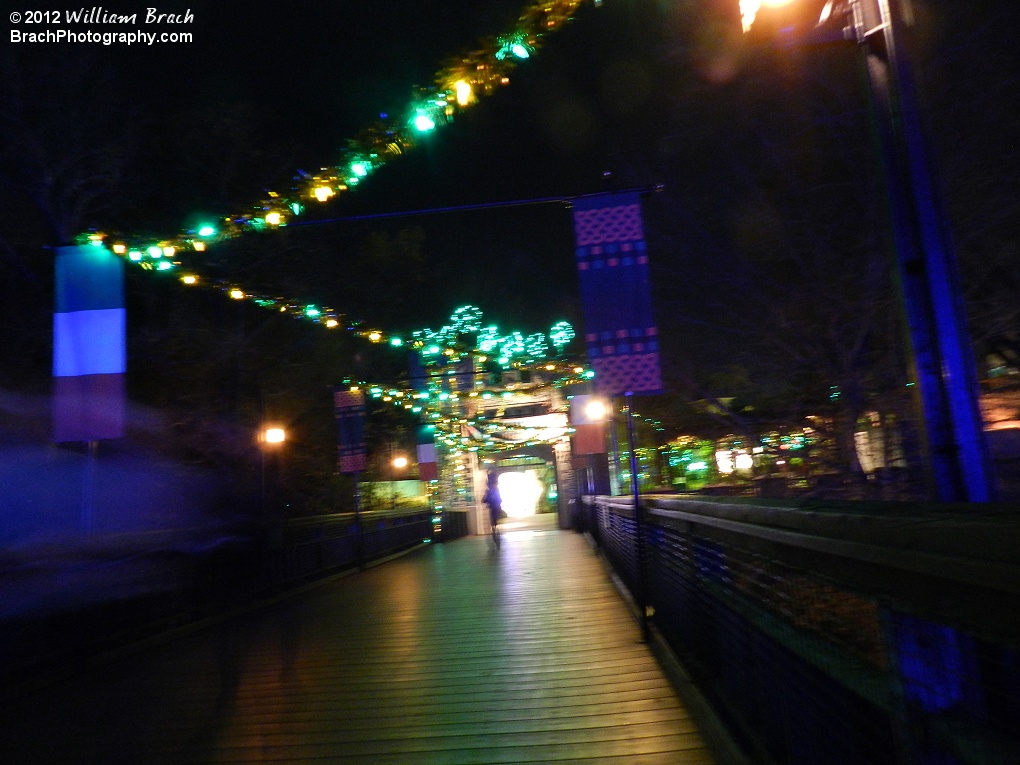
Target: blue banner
{"x":89,"y":345}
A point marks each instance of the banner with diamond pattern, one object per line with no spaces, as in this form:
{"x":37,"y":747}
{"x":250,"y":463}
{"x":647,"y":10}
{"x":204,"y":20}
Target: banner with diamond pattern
{"x":612,"y":263}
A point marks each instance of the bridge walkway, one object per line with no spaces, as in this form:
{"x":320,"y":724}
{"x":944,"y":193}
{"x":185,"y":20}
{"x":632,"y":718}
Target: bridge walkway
{"x":456,"y":653}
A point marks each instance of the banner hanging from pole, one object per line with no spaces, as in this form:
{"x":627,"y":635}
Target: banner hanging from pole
{"x":349,"y":411}
{"x":612,"y":263}
{"x":589,"y":435}
{"x":89,"y":345}
{"x":428,"y":459}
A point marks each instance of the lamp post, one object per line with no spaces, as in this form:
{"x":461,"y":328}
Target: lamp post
{"x":944,"y":366}
{"x":271,"y":439}
{"x":397,"y":463}
{"x":589,"y":417}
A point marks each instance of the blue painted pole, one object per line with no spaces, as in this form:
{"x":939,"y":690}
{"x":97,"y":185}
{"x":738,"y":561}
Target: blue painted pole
{"x":944,"y":363}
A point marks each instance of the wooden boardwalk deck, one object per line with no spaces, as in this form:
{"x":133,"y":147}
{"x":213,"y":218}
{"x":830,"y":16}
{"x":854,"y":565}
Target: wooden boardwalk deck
{"x":451,"y":655}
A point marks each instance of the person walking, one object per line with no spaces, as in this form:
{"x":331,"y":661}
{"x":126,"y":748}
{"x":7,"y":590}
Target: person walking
{"x":494,"y":501}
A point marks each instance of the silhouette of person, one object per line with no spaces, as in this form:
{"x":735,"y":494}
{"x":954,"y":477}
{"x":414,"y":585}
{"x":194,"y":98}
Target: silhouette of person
{"x":492,"y":498}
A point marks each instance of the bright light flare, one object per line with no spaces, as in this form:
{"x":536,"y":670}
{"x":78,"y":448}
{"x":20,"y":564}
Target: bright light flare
{"x":724,"y":461}
{"x":274,"y":435}
{"x":596,"y":411}
{"x":520,"y":493}
{"x":424,"y":123}
{"x":749,"y":9}
{"x":743,"y":461}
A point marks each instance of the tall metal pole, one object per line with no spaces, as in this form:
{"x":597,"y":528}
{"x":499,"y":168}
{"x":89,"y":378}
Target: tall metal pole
{"x":639,"y":535}
{"x":263,"y":506}
{"x":943,"y":358}
{"x":359,"y":537}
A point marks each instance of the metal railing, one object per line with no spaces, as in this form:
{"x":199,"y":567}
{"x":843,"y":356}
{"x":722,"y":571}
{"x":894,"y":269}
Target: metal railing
{"x":150,"y":583}
{"x":307,"y":548}
{"x":839,"y":634}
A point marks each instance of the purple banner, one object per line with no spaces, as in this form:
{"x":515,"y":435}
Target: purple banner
{"x":349,"y":411}
{"x":612,"y":263}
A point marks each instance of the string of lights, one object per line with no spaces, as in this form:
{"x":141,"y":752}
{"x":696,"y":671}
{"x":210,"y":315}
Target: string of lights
{"x":480,"y":71}
{"x":473,"y":74}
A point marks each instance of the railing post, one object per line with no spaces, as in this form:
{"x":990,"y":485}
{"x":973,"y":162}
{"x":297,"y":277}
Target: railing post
{"x":640,"y":595}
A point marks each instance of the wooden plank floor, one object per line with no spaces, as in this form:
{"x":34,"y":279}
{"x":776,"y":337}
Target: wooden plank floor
{"x":454,"y":654}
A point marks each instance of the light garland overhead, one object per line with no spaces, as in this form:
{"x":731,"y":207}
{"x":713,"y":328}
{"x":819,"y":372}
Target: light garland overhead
{"x":468,"y":337}
{"x":479,"y":71}
{"x":462,"y":378}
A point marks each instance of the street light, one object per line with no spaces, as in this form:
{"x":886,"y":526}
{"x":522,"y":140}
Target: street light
{"x":749,"y":9}
{"x":943,"y":359}
{"x":596,"y":410}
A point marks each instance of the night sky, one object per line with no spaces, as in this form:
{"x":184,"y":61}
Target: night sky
{"x":630,"y":94}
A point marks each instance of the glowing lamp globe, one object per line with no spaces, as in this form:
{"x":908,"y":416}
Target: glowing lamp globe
{"x":424,"y":123}
{"x":274,"y":435}
{"x":596,"y":411}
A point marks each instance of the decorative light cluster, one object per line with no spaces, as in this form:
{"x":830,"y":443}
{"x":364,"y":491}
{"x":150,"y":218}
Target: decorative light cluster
{"x":459,"y":384}
{"x":459,"y":419}
{"x":466,"y":334}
